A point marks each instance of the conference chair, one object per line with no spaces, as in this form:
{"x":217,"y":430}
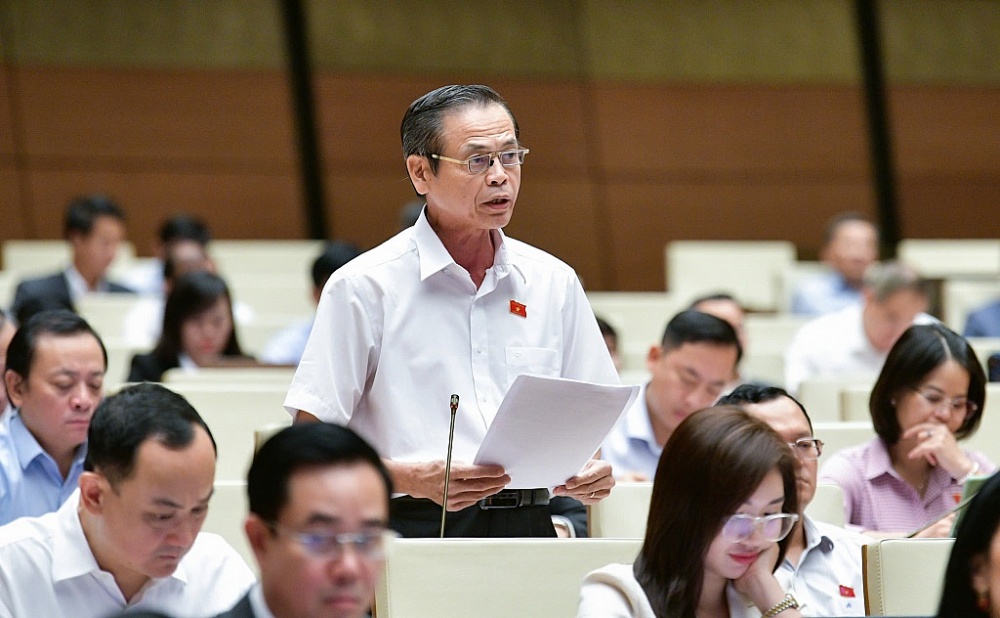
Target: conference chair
{"x":821,"y":396}
{"x":492,"y":578}
{"x":227,"y":511}
{"x":623,"y":514}
{"x":827,"y":505}
{"x":939,"y":257}
{"x":837,"y":436}
{"x":904,"y":577}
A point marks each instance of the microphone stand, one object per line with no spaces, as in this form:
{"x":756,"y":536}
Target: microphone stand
{"x":447,"y":466}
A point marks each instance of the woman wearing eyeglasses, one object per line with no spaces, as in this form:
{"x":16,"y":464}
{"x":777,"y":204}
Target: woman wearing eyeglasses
{"x":723,"y":503}
{"x":928,"y":397}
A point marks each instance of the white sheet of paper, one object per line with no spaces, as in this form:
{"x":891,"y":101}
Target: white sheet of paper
{"x":547,"y":428}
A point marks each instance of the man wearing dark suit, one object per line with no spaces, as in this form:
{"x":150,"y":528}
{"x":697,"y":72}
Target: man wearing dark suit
{"x":94,"y":227}
{"x":319,"y":516}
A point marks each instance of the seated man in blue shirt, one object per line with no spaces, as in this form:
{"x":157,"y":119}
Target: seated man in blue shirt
{"x":55,"y":379}
{"x":850,"y":246}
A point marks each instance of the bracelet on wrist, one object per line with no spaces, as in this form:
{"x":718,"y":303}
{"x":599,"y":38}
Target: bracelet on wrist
{"x":788,"y":602}
{"x":969,"y":474}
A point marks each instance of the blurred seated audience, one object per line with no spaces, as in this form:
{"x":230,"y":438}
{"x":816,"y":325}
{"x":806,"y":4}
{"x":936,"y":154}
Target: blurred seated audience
{"x":197,"y":331}
{"x":852,"y":343}
{"x":94,"y":226}
{"x":148,"y":277}
{"x":286,"y":347}
{"x":928,"y":397}
{"x":984,"y":322}
{"x":850,"y":246}
{"x":144,"y":321}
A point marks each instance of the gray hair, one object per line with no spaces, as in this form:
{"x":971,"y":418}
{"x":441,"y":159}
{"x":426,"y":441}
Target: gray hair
{"x":886,"y":278}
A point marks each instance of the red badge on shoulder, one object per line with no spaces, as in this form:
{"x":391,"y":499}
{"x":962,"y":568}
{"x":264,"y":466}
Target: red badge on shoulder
{"x":518,"y":309}
{"x":846,"y":591}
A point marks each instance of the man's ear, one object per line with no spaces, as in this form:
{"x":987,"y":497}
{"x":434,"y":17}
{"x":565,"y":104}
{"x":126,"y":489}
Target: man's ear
{"x":258,"y":535}
{"x":653,"y":357}
{"x":16,"y":387}
{"x":420,"y":172}
{"x":93,"y":488}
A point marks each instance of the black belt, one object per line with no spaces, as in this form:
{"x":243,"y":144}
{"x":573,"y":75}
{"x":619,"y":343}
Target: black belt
{"x":513,"y":498}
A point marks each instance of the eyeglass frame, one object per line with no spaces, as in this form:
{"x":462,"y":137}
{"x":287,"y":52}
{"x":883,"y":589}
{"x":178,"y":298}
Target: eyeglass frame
{"x":340,"y":541}
{"x":492,"y":155}
{"x":970,"y":406}
{"x":758,"y":525}
{"x":817,"y":444}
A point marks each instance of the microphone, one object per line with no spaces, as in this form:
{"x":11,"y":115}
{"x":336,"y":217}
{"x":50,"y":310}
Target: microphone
{"x":447,"y":465}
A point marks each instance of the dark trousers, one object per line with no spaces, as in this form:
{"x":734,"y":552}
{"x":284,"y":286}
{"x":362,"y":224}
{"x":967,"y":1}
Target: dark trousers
{"x":421,"y":518}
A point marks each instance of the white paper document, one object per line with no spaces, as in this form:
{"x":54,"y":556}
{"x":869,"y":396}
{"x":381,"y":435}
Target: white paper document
{"x":547,"y":428}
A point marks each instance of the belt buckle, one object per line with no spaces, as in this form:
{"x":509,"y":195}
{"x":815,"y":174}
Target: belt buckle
{"x":507,"y":499}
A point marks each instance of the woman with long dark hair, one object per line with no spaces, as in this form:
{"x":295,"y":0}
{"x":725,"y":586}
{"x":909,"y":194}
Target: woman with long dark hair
{"x":197,"y":331}
{"x":724,"y":500}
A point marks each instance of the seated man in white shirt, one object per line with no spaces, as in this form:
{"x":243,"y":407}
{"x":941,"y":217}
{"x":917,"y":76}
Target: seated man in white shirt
{"x":853,"y":342}
{"x":822,"y":564}
{"x":689,"y":370}
{"x":314,"y":491}
{"x":850,"y":246}
{"x":129,"y":538}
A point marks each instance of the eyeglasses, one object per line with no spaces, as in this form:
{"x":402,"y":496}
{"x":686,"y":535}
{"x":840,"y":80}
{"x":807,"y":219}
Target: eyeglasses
{"x":807,"y":449}
{"x":954,"y":405}
{"x":772,"y":528}
{"x":369,"y":544}
{"x":479,"y":163}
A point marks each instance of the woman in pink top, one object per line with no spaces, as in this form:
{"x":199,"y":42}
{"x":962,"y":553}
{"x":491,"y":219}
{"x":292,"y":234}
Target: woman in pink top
{"x":928,"y":397}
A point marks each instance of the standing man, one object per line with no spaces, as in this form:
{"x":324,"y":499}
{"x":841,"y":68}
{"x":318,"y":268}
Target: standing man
{"x":452,"y":306}
{"x":822,"y":564}
{"x":850,"y":246}
{"x":319,"y":512}
{"x":129,"y":538}
{"x":55,"y":379}
{"x":94,"y":227}
{"x":688,"y":369}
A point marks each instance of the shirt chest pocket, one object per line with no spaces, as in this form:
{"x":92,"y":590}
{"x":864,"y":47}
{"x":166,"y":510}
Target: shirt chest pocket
{"x":532,"y":361}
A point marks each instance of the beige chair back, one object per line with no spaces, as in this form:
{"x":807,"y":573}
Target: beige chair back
{"x":492,"y":578}
{"x":904,"y":577}
{"x":226,"y":513}
{"x":623,"y":514}
{"x":827,"y":505}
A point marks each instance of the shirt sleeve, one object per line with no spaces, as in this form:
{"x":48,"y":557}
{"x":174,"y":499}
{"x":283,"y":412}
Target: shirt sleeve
{"x":340,"y":354}
{"x":602,"y":596}
{"x":585,"y":354}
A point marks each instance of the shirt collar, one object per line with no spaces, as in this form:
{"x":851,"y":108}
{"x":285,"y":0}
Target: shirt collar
{"x":814,"y":539}
{"x":71,"y":554}
{"x":878,"y":461}
{"x":78,"y":285}
{"x":434,"y":257}
{"x":637,"y":425}
{"x":258,"y":604}
{"x":28,"y":449}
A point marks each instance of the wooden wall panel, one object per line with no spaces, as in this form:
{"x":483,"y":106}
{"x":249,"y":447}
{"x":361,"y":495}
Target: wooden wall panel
{"x":363,"y":208}
{"x":950,"y":207}
{"x":705,"y":130}
{"x":946,"y":130}
{"x":561,"y":216}
{"x":230,"y":118}
{"x":6,"y":118}
{"x":11,"y":206}
{"x":648,"y":215}
{"x":235,"y":205}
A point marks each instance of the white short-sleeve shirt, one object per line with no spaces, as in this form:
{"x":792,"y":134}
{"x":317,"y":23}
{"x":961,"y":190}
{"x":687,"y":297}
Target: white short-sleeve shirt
{"x":48,"y":569}
{"x":402,"y":327}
